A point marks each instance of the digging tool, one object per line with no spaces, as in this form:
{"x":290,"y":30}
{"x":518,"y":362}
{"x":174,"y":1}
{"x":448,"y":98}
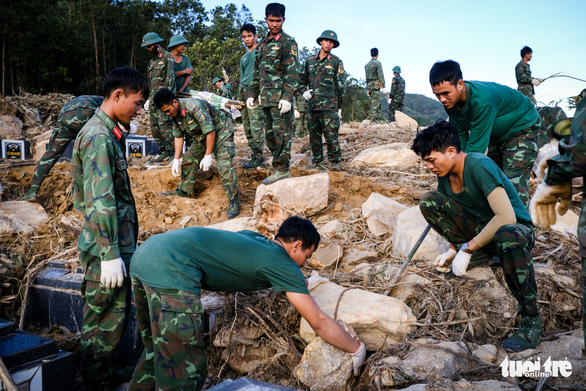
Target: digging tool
{"x":6,"y":378}
{"x":410,"y":256}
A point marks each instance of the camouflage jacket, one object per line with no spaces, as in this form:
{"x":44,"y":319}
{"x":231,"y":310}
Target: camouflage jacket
{"x":197,"y":118}
{"x":101,"y":190}
{"x":326,"y":77}
{"x":523,"y":74}
{"x":375,"y":78}
{"x":275,"y":74}
{"x":224,"y":91}
{"x":397,"y":89}
{"x":161,"y":73}
{"x":78,"y":111}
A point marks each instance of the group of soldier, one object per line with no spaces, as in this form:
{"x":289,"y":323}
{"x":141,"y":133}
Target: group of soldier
{"x":480,"y":206}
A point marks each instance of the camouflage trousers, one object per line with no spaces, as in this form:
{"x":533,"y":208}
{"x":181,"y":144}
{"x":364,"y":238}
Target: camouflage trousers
{"x":301,"y":128}
{"x":375,"y":114}
{"x":516,"y":157}
{"x":278,"y":132}
{"x":105,"y":315}
{"x":326,"y":123}
{"x":394,"y":106}
{"x":512,"y":243}
{"x":253,"y":125}
{"x":162,"y":130}
{"x":224,"y":153}
{"x":171,"y":328}
{"x":527,"y":90}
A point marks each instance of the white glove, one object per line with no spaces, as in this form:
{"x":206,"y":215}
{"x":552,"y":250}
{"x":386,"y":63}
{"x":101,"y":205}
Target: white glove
{"x":389,"y":101}
{"x":460,"y":263}
{"x":113,"y":273}
{"x":297,"y":114}
{"x":340,"y":113}
{"x":542,"y":207}
{"x":250,"y":103}
{"x":133,"y":128}
{"x":308,"y":94}
{"x":285,"y":106}
{"x":358,"y":358}
{"x":176,"y":167}
{"x":536,"y":81}
{"x":445,"y":257}
{"x":205,"y":163}
{"x":385,"y":91}
{"x":146,"y":105}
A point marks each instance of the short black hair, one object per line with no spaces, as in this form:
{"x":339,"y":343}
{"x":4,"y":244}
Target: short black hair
{"x":129,"y":79}
{"x":445,"y":71}
{"x":437,"y":137}
{"x":163,"y":97}
{"x":248,"y":27}
{"x":275,"y":9}
{"x":525,"y":50}
{"x":373,"y":52}
{"x":296,"y":228}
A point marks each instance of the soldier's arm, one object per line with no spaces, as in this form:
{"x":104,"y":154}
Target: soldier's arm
{"x":170,"y":73}
{"x":381,"y":75}
{"x":255,"y":84}
{"x":304,"y":84}
{"x":393,"y":89}
{"x":340,"y":82}
{"x":289,"y":64}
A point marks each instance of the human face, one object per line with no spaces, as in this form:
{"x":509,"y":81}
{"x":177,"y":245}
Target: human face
{"x":275,"y":24}
{"x":126,"y":106}
{"x":153,"y":49}
{"x":249,"y":39}
{"x":180,"y":48}
{"x":528,"y":57}
{"x":326,"y":45}
{"x":448,"y":94}
{"x":298,"y":255}
{"x":172,"y":109}
{"x":441,"y":163}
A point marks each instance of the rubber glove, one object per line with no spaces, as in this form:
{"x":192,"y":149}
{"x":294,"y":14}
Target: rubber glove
{"x":542,"y":207}
{"x":340,"y":113}
{"x":146,"y":105}
{"x":297,"y":114}
{"x":250,"y":103}
{"x":176,"y":167}
{"x":113,"y":273}
{"x":389,"y":101}
{"x":205,"y":163}
{"x":308,"y":94}
{"x":535,"y":81}
{"x":460,"y":263}
{"x":285,"y":106}
{"x":358,"y":358}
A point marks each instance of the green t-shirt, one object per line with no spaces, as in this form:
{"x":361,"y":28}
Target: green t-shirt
{"x":184,"y":64}
{"x":481,"y":176}
{"x":198,"y":258}
{"x":492,"y":114}
{"x":247,"y":67}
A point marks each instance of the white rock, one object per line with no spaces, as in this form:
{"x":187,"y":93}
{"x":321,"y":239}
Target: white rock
{"x":357,"y":254}
{"x":497,"y":297}
{"x":300,"y":160}
{"x":20,"y":217}
{"x":238,"y":224}
{"x":382,"y":213}
{"x":403,"y":121}
{"x":327,"y":254}
{"x":486,"y":353}
{"x":332,"y":229}
{"x":10,"y":127}
{"x":410,"y":224}
{"x":365,"y":123}
{"x":398,"y":155}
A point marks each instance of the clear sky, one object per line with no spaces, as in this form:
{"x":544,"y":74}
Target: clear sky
{"x":485,"y":37}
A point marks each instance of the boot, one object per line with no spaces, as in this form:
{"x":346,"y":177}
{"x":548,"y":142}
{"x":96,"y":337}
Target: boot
{"x":527,"y":337}
{"x":320,"y":166}
{"x":277,"y":176}
{"x":162,"y":156}
{"x":176,"y":192}
{"x":254,"y":162}
{"x":233,"y":209}
{"x":31,"y":195}
{"x":336,"y":167}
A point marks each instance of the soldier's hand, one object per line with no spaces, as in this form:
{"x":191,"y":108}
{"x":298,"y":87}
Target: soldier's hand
{"x":285,"y":106}
{"x":297,"y":114}
{"x":133,"y":128}
{"x":536,"y":81}
{"x":250,"y":103}
{"x":308,"y":94}
{"x":176,"y":167}
{"x":205,"y":163}
{"x":358,"y":358}
{"x":146,"y":105}
{"x":543,"y":203}
{"x":445,"y":257}
{"x":340,"y":113}
{"x":113,"y":273}
{"x":460,"y":263}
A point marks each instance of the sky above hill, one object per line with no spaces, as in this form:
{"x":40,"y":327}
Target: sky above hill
{"x":484,"y":37}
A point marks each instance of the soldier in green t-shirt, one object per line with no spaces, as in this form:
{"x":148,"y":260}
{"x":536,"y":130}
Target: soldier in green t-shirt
{"x":478,"y":210}
{"x":170,"y":269}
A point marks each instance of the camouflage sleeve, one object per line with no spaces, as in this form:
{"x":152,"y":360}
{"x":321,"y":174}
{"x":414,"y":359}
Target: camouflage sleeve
{"x":340,"y":83}
{"x":393,"y":88}
{"x":170,"y":73}
{"x":523,"y":74}
{"x":381,"y":75}
{"x":255,"y":84}
{"x":177,"y":130}
{"x":289,"y":64}
{"x":304,"y":77}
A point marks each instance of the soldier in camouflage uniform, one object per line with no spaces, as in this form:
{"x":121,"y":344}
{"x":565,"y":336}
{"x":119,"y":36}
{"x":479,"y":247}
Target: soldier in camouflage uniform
{"x":212,"y":131}
{"x":561,"y":169}
{"x":161,"y":74}
{"x":251,"y":118}
{"x":274,"y":82}
{"x":300,"y":111}
{"x":375,"y":80}
{"x":322,"y":78}
{"x":477,"y":209}
{"x":169,"y":270}
{"x":397,"y":95}
{"x":526,"y":83}
{"x":223,"y":89}
{"x":493,"y":116}
{"x":72,"y":118}
{"x":101,"y":193}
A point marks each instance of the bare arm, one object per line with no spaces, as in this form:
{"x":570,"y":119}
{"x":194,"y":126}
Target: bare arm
{"x":178,"y":143}
{"x":210,"y":140}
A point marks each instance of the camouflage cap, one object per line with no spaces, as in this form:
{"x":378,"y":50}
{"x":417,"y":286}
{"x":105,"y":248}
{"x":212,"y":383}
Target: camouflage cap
{"x":150,"y":38}
{"x":217,"y":79}
{"x":331,"y":35}
{"x":176,"y":40}
{"x":397,"y":69}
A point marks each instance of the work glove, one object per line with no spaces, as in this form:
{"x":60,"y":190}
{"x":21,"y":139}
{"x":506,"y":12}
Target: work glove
{"x":308,"y":94}
{"x":285,"y":106}
{"x":385,"y":91}
{"x":205,"y":163}
{"x":358,"y":358}
{"x":340,"y":113}
{"x":250,"y":103}
{"x":543,"y":203}
{"x":536,"y":81}
{"x":297,"y":114}
{"x":389,"y":101}
{"x":444,"y":258}
{"x":146,"y":105}
{"x":176,"y":167}
{"x":542,"y":166}
{"x":113,"y":273}
{"x":133,"y":128}
{"x":460,"y":263}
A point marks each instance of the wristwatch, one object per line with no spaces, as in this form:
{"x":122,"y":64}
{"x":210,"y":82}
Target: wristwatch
{"x":466,"y":249}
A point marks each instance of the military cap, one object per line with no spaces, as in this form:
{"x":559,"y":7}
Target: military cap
{"x":397,"y":69}
{"x":176,"y":40}
{"x":217,"y":79}
{"x":331,"y":35}
{"x":150,"y":38}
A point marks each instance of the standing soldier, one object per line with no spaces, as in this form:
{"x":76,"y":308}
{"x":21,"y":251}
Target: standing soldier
{"x":223,"y":89}
{"x":101,"y":193}
{"x":397,"y":95}
{"x":161,"y":74}
{"x":212,"y":132}
{"x":322,"y":78}
{"x":73,"y":116}
{"x":375,"y":80}
{"x":274,"y":82}
{"x":251,"y":119}
{"x":183,"y":68}
{"x":526,"y":83}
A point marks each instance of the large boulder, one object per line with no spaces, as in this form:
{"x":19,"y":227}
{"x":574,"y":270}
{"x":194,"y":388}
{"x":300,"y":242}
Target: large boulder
{"x":328,"y":254}
{"x":20,"y":218}
{"x":357,"y":254}
{"x":381,"y":213}
{"x":403,"y":121}
{"x":234,"y":225}
{"x":397,"y":155}
{"x":10,"y":128}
